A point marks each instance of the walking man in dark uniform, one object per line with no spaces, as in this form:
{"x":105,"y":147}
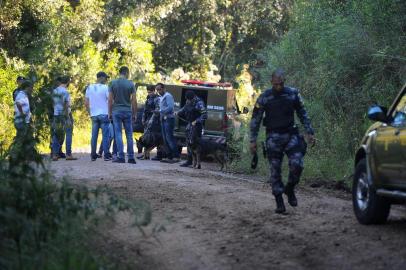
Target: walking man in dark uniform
{"x":282,"y":137}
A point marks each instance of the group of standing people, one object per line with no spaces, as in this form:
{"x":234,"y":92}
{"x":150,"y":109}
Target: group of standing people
{"x":114,"y":107}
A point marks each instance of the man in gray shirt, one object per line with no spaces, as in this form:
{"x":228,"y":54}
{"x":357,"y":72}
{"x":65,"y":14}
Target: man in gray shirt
{"x":123,"y":111}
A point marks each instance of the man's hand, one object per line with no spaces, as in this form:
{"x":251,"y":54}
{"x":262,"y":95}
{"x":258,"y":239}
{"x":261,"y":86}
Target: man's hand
{"x":110,"y":117}
{"x":134,"y":118}
{"x":253,"y":147}
{"x":311,"y":140}
{"x":194,"y":123}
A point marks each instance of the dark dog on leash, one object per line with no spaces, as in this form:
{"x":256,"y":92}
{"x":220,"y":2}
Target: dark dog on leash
{"x":206,"y":147}
{"x":148,"y":141}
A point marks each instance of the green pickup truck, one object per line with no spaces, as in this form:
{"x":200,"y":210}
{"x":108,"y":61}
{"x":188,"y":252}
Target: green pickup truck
{"x":380,"y":163}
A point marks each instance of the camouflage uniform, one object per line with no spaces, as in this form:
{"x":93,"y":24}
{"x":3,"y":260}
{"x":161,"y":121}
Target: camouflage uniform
{"x":194,"y":110}
{"x":150,"y":105}
{"x":282,"y":136}
{"x":151,"y":121}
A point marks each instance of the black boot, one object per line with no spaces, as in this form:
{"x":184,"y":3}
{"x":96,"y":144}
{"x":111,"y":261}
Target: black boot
{"x":290,"y":192}
{"x":280,"y":205}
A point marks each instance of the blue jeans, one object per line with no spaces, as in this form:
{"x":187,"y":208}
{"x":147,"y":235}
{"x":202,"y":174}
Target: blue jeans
{"x":62,"y":128}
{"x":100,"y":122}
{"x":167,"y":126}
{"x":121,"y":118}
{"x":110,"y":141}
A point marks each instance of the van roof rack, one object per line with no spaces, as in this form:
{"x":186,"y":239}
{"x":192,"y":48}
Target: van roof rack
{"x":206,"y":84}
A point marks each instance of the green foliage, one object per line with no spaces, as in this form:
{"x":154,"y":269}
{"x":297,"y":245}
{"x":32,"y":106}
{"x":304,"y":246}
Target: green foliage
{"x":344,"y":56}
{"x":45,"y":224}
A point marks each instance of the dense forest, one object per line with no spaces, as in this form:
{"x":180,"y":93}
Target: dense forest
{"x":342,"y":54}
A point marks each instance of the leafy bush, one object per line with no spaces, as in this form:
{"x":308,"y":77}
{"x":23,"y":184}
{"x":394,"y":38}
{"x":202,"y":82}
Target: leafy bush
{"x":44,"y":223}
{"x":344,"y":56}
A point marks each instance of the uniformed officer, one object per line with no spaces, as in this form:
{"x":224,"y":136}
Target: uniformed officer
{"x":282,"y":137}
{"x":150,"y":117}
{"x":195,"y":113}
{"x":150,"y":105}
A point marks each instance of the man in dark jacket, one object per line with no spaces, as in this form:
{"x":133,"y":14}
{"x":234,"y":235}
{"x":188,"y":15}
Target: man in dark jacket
{"x":150,"y":119}
{"x":282,"y":137}
{"x":195,"y":113}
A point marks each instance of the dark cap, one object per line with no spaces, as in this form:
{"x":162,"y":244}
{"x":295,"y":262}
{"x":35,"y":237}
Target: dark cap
{"x":20,"y":78}
{"x":102,"y":74}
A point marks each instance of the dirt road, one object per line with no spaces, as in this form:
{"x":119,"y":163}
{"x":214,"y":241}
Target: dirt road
{"x":215,"y":220}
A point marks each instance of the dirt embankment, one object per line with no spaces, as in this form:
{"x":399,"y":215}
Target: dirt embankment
{"x":215,"y":220}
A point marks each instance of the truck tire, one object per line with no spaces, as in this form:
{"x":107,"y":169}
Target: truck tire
{"x":369,"y":208}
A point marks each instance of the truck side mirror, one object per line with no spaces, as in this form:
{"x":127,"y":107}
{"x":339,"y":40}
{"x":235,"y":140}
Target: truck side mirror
{"x":245,"y":110}
{"x":377,"y":113}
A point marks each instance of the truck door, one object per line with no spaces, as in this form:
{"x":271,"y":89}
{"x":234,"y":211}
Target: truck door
{"x":399,"y":122}
{"x":391,"y":147}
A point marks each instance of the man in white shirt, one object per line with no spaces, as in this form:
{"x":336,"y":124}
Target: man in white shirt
{"x":97,"y":96}
{"x":22,"y":113}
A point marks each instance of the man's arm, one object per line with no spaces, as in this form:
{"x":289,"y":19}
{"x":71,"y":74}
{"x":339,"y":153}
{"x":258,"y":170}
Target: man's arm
{"x":304,"y":119}
{"x":87,"y":104}
{"x":20,"y":108}
{"x":66,"y":104}
{"x":255,"y":123}
{"x":110,"y":105}
{"x":134,"y":105}
{"x":181,"y":113}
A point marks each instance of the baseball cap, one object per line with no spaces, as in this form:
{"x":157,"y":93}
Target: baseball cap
{"x":20,"y":78}
{"x":102,"y":74}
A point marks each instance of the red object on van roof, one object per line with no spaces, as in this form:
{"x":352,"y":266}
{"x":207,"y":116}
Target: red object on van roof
{"x":207,"y":84}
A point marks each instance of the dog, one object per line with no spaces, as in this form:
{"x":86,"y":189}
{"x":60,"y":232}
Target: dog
{"x":148,"y":141}
{"x":200,"y":147}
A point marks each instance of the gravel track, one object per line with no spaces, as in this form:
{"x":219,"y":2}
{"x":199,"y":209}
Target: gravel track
{"x":215,"y":220}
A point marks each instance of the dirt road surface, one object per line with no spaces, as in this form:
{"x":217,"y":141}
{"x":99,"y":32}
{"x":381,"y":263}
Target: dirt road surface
{"x":216,"y":220}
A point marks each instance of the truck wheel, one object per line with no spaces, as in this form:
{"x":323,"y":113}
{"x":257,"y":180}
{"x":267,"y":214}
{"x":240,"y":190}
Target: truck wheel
{"x":369,"y":208}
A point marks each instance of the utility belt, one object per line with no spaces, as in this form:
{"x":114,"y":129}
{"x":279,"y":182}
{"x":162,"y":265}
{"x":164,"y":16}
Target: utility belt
{"x":291,"y":130}
{"x":301,"y":146}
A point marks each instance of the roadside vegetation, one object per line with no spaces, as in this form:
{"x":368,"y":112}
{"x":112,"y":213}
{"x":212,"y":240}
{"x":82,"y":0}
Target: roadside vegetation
{"x":49,"y":223}
{"x":343,"y":55}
